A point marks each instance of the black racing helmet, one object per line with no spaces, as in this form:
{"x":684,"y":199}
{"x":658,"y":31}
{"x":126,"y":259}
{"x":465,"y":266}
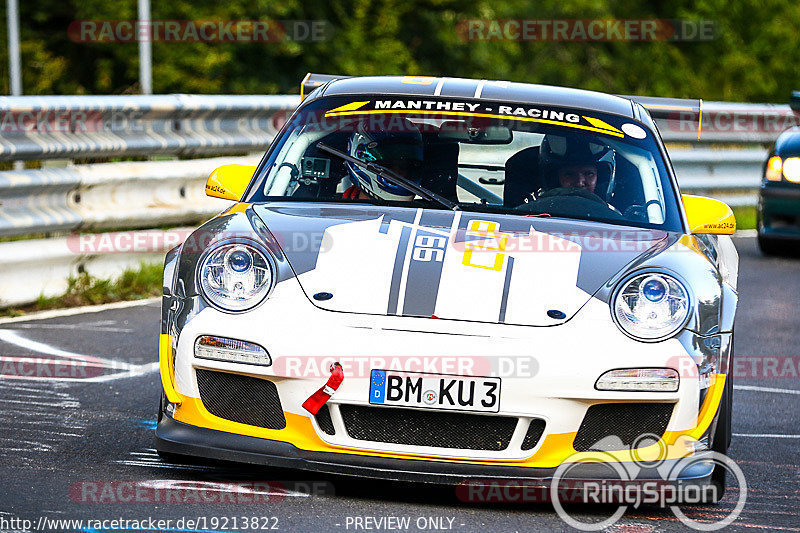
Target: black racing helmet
{"x":560,"y":150}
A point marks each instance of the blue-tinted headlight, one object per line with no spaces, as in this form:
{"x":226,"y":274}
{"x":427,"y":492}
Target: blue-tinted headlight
{"x":654,"y":289}
{"x":651,"y":306}
{"x":240,"y":260}
{"x":236,"y":276}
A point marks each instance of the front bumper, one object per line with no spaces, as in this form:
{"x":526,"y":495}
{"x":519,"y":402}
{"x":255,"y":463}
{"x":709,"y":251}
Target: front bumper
{"x":559,"y":390}
{"x":779,"y":212}
{"x":178,"y":438}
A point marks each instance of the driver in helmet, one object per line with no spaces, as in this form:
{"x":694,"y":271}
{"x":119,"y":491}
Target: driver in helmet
{"x":399,"y":150}
{"x":582,"y":176}
{"x":570,"y":164}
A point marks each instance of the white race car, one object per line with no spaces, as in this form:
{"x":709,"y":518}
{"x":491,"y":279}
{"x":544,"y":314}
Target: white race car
{"x":440,"y":279}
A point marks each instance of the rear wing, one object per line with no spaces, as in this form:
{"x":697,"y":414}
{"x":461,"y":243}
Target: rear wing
{"x":669,"y":108}
{"x":312,"y":81}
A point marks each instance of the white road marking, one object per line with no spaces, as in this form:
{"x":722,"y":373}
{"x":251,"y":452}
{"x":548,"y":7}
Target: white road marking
{"x":745,"y":233}
{"x":766,"y":435}
{"x":166,"y":465}
{"x":87,"y":327}
{"x":244,"y":487}
{"x":60,"y":405}
{"x":765,"y":389}
{"x":12,"y":337}
{"x":127,"y":369}
{"x":55,"y":411}
{"x":79,"y":310}
{"x":132,"y":371}
{"x":40,"y":361}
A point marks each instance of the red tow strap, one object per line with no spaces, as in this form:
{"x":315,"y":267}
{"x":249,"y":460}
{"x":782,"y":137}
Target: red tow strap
{"x":351,"y":193}
{"x":315,"y":402}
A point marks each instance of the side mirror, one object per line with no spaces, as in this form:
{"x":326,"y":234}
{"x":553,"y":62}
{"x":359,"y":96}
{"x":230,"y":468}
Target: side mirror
{"x":708,"y":216}
{"x":229,"y":181}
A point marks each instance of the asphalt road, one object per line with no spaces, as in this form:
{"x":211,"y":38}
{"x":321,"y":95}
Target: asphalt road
{"x":81,"y":435}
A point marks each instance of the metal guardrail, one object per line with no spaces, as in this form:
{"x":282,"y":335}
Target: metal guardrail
{"x":726,"y":122}
{"x":85,"y":198}
{"x":58,"y":127}
{"x":108,"y":195}
{"x":729,"y":175}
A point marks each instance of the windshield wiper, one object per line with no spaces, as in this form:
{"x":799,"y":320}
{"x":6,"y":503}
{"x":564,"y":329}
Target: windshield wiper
{"x":392,"y":176}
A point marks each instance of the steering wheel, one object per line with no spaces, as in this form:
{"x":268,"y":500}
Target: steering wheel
{"x":573,"y":191}
{"x":631,"y":210}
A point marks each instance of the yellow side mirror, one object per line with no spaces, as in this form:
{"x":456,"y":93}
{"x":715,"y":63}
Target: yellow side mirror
{"x":708,"y":216}
{"x":229,"y":181}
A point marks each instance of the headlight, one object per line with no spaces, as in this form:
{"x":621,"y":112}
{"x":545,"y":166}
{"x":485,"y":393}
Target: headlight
{"x":236,"y":276}
{"x":774,"y":168}
{"x":791,"y":169}
{"x":651,"y":306}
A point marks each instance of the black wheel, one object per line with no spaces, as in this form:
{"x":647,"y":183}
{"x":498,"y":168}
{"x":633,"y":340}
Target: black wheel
{"x":722,"y":438}
{"x":167,"y":456}
{"x":161,"y":402}
{"x":770,"y":246}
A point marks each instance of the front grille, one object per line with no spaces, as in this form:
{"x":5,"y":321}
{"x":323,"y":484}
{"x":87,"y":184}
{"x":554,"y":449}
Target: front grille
{"x":616,"y":426}
{"x":428,"y":428}
{"x":242,"y":399}
{"x":324,"y":420}
{"x":534,"y":433}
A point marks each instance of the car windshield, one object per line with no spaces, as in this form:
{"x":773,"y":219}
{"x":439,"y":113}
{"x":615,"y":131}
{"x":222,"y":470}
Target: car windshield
{"x":485,"y":156}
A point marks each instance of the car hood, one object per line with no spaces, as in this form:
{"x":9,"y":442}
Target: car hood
{"x":534,"y":271}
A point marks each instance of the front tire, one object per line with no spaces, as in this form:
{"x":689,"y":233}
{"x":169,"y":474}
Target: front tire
{"x":722,"y":437}
{"x":173,"y":458}
{"x":770,"y":247}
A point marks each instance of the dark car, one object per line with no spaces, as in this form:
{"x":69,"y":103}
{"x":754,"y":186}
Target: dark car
{"x":779,"y":196}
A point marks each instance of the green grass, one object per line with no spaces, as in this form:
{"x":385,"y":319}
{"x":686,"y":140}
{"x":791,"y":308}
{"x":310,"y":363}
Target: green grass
{"x":132,"y":284}
{"x":745,"y":217}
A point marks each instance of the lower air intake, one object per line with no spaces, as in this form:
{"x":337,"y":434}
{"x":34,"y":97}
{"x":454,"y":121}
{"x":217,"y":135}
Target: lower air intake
{"x":242,"y":399}
{"x":534,"y":433}
{"x":617,"y":426}
{"x":428,"y":428}
{"x":325,"y":421}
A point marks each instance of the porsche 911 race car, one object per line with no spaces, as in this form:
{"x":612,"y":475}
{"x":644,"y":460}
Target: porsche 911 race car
{"x":439,"y":279}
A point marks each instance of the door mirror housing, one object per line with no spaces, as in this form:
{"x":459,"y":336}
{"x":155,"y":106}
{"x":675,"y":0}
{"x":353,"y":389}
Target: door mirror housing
{"x":229,"y":181}
{"x":707,"y":216}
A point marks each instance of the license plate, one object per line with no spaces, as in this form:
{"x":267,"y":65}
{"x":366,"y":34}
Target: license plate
{"x":434,"y":391}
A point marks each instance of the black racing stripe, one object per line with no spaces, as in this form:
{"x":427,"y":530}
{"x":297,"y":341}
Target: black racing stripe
{"x":427,"y":260}
{"x":406,"y":216}
{"x":506,"y":285}
{"x":457,"y":88}
{"x":424,"y":273}
{"x":437,"y":219}
{"x":397,"y":273}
